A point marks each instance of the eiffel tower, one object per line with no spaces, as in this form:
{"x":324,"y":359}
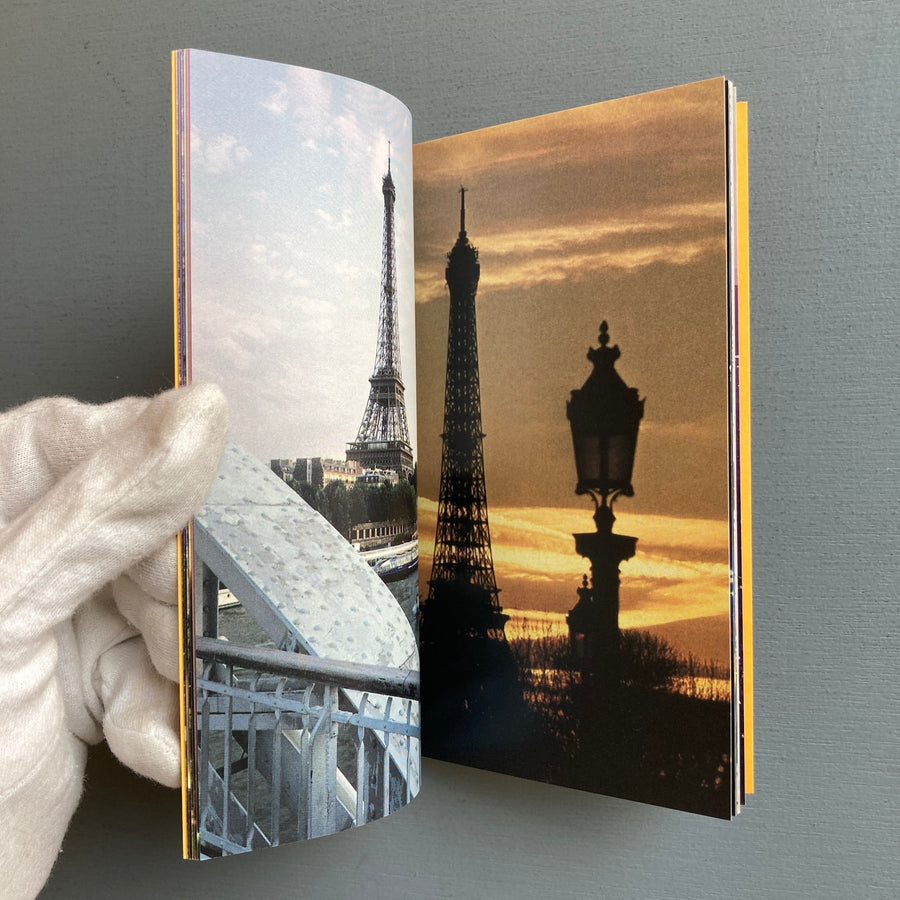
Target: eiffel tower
{"x":382,"y":441}
{"x":468,"y":674}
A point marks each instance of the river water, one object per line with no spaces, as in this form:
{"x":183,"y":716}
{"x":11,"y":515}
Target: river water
{"x":406,"y":590}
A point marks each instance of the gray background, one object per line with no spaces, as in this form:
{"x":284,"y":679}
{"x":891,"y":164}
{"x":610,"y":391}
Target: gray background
{"x":85,"y":213}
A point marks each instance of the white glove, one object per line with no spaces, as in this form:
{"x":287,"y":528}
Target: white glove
{"x":90,"y":500}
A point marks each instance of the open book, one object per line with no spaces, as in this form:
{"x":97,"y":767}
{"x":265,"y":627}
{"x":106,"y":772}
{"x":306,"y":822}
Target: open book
{"x":511,"y":442}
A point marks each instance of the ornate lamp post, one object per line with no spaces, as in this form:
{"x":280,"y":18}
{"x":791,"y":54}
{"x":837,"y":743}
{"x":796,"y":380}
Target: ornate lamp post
{"x":604,"y":415}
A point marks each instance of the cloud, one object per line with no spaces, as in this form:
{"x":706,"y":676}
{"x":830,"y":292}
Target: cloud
{"x":618,"y":188}
{"x":661,"y":126}
{"x":279,"y":101}
{"x":559,"y":238}
{"x":580,"y":266}
{"x":217,"y":154}
{"x":520,"y":258}
{"x":680,"y":570}
{"x":286,"y":299}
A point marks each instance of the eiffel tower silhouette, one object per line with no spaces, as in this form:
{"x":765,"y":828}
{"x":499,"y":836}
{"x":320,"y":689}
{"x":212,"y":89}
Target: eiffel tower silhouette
{"x":468,"y":673}
{"x":382,"y":441}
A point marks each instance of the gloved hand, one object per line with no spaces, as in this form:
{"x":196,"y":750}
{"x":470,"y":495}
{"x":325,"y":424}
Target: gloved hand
{"x":91,"y":498}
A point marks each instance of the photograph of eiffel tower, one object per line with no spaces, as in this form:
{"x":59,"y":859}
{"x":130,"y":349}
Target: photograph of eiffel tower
{"x":471,"y":687}
{"x":290,"y":289}
{"x":594,"y":654}
{"x":382,"y":442}
{"x":370,"y":496}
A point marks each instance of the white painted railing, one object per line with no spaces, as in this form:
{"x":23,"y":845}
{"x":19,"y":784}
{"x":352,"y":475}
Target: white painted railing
{"x":321,"y":732}
{"x":294,"y":760}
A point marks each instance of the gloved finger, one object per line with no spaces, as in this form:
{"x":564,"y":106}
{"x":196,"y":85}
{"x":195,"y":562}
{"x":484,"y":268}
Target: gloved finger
{"x":157,"y":575}
{"x":42,"y":441}
{"x":157,"y":622}
{"x":117,"y":506}
{"x":82,"y":640}
{"x":140,"y":718}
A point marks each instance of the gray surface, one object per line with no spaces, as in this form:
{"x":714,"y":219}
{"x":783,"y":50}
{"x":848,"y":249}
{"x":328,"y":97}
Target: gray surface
{"x":84,"y":163}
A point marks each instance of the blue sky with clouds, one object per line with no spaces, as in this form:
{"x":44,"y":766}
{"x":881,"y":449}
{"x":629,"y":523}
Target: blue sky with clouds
{"x":286,"y":166}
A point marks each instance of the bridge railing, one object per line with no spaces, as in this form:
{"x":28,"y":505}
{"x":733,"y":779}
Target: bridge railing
{"x":315,"y":728}
{"x":293,"y":746}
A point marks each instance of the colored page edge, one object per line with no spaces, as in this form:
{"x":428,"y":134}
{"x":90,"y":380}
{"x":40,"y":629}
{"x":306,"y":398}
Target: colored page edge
{"x":745,"y":475}
{"x":179,"y":66}
{"x":734,"y":486}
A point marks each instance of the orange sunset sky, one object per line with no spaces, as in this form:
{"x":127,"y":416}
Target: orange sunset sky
{"x":615,"y":211}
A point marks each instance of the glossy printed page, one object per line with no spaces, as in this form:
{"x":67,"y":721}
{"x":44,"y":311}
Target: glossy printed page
{"x":295,"y":208}
{"x":584,"y":643}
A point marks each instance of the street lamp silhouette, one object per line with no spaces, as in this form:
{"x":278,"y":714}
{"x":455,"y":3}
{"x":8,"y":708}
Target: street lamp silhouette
{"x":604,"y":415}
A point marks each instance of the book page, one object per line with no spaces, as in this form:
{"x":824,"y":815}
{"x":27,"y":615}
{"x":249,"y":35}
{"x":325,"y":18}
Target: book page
{"x":573,"y":361}
{"x":295,"y":265}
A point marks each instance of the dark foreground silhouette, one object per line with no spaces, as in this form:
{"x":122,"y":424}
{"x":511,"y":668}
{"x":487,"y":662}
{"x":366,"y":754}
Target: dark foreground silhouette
{"x":639,"y":739}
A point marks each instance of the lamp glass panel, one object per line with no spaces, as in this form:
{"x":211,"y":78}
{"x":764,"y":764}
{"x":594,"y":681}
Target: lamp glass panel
{"x":621,"y":458}
{"x":588,"y":459}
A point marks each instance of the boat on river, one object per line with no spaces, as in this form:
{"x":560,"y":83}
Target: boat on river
{"x":393,"y":563}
